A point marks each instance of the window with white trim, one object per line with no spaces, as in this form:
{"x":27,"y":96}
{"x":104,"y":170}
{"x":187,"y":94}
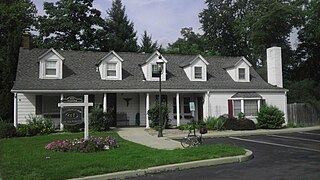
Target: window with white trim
{"x":51,"y":68}
{"x":111,"y":69}
{"x":250,"y":107}
{"x":242,"y":74}
{"x":155,"y":70}
{"x":198,"y":72}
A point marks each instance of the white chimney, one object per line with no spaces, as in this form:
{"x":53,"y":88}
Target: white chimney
{"x":274,"y":66}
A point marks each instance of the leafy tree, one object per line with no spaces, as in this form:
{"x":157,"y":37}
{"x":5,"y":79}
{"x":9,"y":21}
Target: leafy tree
{"x":16,"y":17}
{"x":121,"y":35}
{"x":69,"y":24}
{"x":308,"y":51}
{"x":248,"y":27}
{"x":146,"y":43}
{"x":305,"y":91}
{"x":190,"y":43}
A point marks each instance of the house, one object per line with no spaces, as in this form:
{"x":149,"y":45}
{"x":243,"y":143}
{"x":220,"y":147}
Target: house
{"x":128,"y":83}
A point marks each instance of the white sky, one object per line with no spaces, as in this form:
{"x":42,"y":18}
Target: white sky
{"x":163,"y":19}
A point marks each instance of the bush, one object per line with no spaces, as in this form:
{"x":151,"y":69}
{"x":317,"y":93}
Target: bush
{"x":153,"y":114}
{"x":239,"y":124}
{"x":93,"y":144}
{"x":270,"y":117}
{"x":7,"y":130}
{"x":213,"y":123}
{"x":35,"y":125}
{"x":99,"y":120}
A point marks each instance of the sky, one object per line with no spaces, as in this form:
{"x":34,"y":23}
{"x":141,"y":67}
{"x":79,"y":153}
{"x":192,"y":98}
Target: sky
{"x":163,"y":19}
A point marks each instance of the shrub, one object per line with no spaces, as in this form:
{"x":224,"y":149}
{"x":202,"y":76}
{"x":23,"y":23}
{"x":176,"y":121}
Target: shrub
{"x":270,"y":117}
{"x":93,"y":144}
{"x":35,"y":125}
{"x":239,"y":124}
{"x":184,"y":127}
{"x":99,"y":120}
{"x":39,"y":125}
{"x":213,"y":123}
{"x":153,"y":114}
{"x":7,"y":130}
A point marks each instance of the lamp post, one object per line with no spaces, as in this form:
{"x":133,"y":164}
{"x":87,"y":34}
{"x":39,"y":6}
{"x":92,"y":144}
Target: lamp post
{"x":160,"y":67}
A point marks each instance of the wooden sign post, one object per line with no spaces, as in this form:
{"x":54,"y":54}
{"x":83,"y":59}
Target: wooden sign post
{"x":73,"y":114}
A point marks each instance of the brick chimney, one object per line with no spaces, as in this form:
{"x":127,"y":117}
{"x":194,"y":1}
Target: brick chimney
{"x":274,"y":66}
{"x":26,"y":40}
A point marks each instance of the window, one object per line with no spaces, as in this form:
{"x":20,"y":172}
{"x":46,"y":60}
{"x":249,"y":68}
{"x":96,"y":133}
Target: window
{"x":242,"y":73}
{"x":250,"y":107}
{"x":51,"y":68}
{"x":111,"y":69}
{"x":186,"y":105}
{"x":155,"y":71}
{"x":198,"y":72}
{"x":236,"y":107}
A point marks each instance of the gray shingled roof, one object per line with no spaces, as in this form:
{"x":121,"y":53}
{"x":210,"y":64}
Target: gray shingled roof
{"x":246,"y":95}
{"x":79,"y":73}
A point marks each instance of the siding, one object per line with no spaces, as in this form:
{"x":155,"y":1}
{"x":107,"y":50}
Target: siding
{"x":26,"y":106}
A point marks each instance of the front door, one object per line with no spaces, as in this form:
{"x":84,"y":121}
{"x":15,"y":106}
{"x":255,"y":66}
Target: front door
{"x":112,"y":107}
{"x":200,"y":108}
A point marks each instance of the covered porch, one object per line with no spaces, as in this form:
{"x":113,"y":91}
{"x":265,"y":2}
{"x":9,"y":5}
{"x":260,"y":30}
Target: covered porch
{"x":127,"y":108}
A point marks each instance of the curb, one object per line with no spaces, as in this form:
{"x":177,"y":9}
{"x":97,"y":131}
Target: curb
{"x":171,"y":167}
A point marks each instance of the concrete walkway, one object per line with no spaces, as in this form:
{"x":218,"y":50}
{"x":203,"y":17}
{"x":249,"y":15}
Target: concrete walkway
{"x":141,"y":136}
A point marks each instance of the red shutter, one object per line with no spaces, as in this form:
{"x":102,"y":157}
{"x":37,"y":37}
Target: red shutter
{"x":230,"y":109}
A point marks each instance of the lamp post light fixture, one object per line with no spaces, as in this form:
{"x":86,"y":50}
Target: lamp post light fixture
{"x":160,"y":63}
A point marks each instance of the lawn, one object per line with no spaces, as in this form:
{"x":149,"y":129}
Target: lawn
{"x":26,"y":157}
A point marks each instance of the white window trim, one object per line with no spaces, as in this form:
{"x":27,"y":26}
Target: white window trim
{"x":242,"y":105}
{"x":43,"y":68}
{"x":116,"y":69}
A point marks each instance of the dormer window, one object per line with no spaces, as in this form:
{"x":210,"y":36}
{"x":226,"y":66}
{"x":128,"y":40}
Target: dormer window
{"x":196,"y":68}
{"x":50,"y":65}
{"x":242,"y":74}
{"x":110,"y":66}
{"x":198,"y":72}
{"x":152,"y":66}
{"x":111,"y":69}
{"x":155,"y":71}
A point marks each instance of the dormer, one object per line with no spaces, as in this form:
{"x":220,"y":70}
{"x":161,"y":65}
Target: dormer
{"x":196,"y":68}
{"x":50,"y":65}
{"x":110,"y":66}
{"x":150,"y":68}
{"x":240,"y":70}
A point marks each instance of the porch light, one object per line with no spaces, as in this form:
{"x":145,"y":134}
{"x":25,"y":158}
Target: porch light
{"x":160,"y":63}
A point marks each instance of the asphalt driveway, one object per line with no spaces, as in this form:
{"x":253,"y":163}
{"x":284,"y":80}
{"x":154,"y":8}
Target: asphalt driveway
{"x":282,"y":156}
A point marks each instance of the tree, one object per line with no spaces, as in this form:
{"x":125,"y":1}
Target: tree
{"x":190,"y":43}
{"x":146,"y":43}
{"x":69,"y":25}
{"x":16,"y":17}
{"x":121,"y":35}
{"x":248,"y":27}
{"x":308,"y":51}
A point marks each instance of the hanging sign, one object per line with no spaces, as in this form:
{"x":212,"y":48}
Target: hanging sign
{"x":72,"y":116}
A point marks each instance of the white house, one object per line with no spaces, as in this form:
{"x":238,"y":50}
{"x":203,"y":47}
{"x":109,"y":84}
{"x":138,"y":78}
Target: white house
{"x":128,"y":83}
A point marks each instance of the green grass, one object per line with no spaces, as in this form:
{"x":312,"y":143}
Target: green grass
{"x":26,"y":158}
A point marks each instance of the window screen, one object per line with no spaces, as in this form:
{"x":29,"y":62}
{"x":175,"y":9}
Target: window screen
{"x":250,"y":107}
{"x":242,"y":73}
{"x":155,"y":71}
{"x":51,"y":68}
{"x":198,"y":72}
{"x":111,"y":69}
{"x":236,"y":107}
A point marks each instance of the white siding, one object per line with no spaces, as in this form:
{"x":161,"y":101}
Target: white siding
{"x":26,"y":106}
{"x":132,"y":109}
{"x":219,"y":103}
{"x":278,"y":99}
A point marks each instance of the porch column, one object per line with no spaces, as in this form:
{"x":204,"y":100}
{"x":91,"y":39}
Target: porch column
{"x":206,"y":105}
{"x":147,"y":109}
{"x":178,"y":109}
{"x":15,"y":110}
{"x":242,"y":105}
{"x":259,"y":105}
{"x":61,"y":125}
{"x":104,"y":102}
